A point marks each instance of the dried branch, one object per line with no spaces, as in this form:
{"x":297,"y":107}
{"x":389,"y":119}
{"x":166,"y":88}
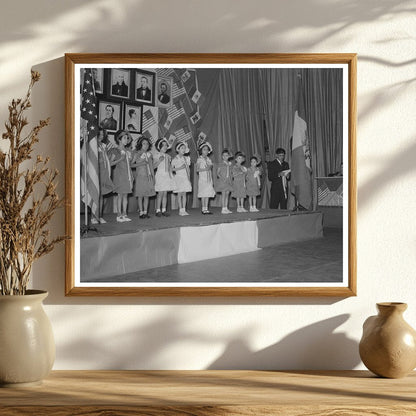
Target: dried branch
{"x":24,"y":217}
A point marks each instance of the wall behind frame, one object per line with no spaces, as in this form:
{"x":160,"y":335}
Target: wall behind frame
{"x":193,"y":333}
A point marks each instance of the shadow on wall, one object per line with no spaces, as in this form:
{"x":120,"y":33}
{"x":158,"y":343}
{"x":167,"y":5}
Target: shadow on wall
{"x":141,"y":347}
{"x":314,"y":347}
{"x":152,"y":345}
{"x":99,"y":26}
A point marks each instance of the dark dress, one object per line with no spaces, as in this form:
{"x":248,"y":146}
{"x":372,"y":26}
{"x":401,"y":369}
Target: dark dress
{"x":144,"y":184}
{"x":278,"y":196}
{"x":252,"y":184}
{"x":224,"y":182}
{"x":122,"y":176}
{"x":239,"y":182}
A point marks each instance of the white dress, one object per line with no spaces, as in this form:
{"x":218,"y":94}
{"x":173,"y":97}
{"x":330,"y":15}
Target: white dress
{"x":164,"y":179}
{"x":181,"y":177}
{"x":205,"y":182}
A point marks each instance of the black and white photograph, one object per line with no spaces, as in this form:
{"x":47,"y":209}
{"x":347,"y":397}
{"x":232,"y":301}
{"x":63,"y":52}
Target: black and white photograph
{"x":256,"y":198}
{"x":145,"y":87}
{"x":164,"y":91}
{"x":120,"y":83}
{"x":109,"y":113}
{"x":132,"y":118}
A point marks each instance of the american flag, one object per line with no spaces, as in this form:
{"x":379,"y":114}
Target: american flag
{"x":165,"y":72}
{"x":323,"y":192}
{"x":175,"y":111}
{"x":183,"y":134}
{"x":90,"y":185}
{"x":150,"y":127}
{"x":178,"y":90}
{"x":148,"y":120}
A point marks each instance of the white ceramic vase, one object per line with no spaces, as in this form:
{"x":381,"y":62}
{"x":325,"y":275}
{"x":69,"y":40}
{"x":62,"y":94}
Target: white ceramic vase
{"x":27,"y":346}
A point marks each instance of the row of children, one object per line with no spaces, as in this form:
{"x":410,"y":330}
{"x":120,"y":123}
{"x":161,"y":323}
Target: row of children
{"x":158,"y":173}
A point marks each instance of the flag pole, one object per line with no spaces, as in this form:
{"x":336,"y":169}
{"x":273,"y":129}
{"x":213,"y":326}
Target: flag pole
{"x":85,"y":180}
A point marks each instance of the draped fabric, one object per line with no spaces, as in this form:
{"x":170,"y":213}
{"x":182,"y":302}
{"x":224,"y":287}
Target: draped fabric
{"x":253,"y":109}
{"x":233,"y":115}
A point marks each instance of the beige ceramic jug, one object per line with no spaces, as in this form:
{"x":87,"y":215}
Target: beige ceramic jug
{"x":388,"y":344}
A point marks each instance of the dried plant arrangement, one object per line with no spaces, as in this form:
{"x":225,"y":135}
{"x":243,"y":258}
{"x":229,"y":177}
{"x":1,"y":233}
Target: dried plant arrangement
{"x":28,"y":199}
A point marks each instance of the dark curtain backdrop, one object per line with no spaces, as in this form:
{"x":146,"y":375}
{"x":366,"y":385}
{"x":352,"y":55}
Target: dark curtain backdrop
{"x":253,"y":109}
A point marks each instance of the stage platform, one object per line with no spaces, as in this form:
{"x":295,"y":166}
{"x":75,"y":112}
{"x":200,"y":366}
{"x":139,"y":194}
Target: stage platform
{"x":117,"y":249}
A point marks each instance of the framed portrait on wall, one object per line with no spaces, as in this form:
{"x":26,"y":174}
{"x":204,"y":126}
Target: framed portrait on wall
{"x":145,"y":87}
{"x":120,"y":83}
{"x":256,"y":176}
{"x":98,"y":76}
{"x":132,"y":118}
{"x":109,"y":115}
{"x":164,"y":91}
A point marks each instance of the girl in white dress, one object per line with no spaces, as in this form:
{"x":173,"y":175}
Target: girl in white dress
{"x":180,"y":167}
{"x":164,"y":178}
{"x":205,"y":181}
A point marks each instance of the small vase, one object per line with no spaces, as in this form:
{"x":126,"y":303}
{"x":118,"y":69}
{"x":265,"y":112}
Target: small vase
{"x":27,"y":347}
{"x":388,"y":344}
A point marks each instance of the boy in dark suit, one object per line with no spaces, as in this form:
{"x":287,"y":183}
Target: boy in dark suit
{"x":277,"y":176}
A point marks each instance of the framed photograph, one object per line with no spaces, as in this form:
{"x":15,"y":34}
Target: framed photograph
{"x":145,"y":87}
{"x":98,"y":75}
{"x":109,"y":115}
{"x":164,"y":91}
{"x":120,"y":83}
{"x":261,"y":200}
{"x":133,"y":118}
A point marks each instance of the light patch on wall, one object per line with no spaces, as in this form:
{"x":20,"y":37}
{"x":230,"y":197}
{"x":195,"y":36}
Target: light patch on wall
{"x":258,"y":24}
{"x":42,"y":42}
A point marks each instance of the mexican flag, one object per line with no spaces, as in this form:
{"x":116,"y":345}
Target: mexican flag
{"x":301,"y":163}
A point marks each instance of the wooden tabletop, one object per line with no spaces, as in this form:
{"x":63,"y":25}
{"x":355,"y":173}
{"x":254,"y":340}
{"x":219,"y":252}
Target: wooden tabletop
{"x":253,"y":393}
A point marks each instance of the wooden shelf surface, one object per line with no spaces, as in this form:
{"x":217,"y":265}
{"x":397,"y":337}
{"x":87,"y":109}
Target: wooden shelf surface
{"x":203,"y":393}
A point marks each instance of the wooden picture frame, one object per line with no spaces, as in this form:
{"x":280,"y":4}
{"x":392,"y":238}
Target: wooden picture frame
{"x":132,"y":117}
{"x":120,"y":83}
{"x":138,"y":64}
{"x":145,"y":83}
{"x":164,"y":92}
{"x":109,"y":115}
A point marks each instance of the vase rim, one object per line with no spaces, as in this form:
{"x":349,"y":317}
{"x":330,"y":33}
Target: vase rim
{"x":30,"y":293}
{"x":401,"y":306}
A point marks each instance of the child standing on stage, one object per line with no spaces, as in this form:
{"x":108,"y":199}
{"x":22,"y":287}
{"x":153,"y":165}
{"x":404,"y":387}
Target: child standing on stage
{"x":224,"y":182}
{"x":205,"y":182}
{"x":164,"y":178}
{"x":253,"y":183}
{"x":104,"y":167}
{"x":239,"y":181}
{"x":144,"y":185}
{"x":121,"y":157}
{"x":180,"y":167}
